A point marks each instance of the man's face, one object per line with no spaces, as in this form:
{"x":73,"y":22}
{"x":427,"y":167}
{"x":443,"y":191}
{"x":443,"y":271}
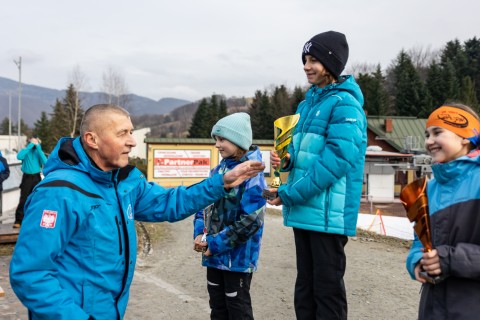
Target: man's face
{"x":114,"y":141}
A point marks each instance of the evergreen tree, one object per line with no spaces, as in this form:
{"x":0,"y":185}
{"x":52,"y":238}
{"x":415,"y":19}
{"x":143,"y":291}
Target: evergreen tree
{"x":281,"y":102}
{"x":4,"y":126}
{"x":213,"y":114}
{"x":409,"y":91}
{"x":435,"y":86}
{"x":58,"y":126}
{"x":454,"y":53}
{"x":376,"y":99}
{"x":25,"y":129}
{"x":222,"y":109}
{"x":200,"y":122}
{"x":467,"y":94}
{"x":450,"y":81}
{"x":73,"y":110}
{"x":42,"y":129}
{"x":298,"y":96}
{"x":262,"y":116}
{"x":472,"y":51}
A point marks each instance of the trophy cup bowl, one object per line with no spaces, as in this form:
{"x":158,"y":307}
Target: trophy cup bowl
{"x":282,"y":138}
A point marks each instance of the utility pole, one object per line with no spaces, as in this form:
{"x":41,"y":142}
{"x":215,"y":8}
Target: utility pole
{"x":9,"y":120}
{"x":19,"y":65}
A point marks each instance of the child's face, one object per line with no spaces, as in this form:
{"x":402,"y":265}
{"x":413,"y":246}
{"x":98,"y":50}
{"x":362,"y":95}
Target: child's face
{"x":444,"y":145}
{"x":225,"y":147}
{"x":315,"y":71}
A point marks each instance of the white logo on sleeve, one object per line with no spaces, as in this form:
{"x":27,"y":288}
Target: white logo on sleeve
{"x":49,"y":218}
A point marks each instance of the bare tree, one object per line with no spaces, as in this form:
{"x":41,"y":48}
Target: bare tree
{"x":357,"y":67}
{"x":79,"y":80}
{"x":115,"y":87}
{"x":422,"y":57}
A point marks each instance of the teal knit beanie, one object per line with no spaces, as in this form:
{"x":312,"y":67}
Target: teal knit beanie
{"x":235,"y":128}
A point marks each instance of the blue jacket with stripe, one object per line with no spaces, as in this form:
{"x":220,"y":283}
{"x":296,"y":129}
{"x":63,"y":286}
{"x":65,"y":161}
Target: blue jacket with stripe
{"x":327,"y":156}
{"x":76,"y":251}
{"x":454,"y":209}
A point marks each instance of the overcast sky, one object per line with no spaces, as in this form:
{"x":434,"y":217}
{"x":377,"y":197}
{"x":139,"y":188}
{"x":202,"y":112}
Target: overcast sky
{"x":189,"y":49}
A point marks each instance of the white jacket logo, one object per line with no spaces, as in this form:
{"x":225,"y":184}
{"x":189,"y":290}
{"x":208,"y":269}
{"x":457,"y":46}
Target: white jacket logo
{"x":129,"y":212}
{"x":307,"y":47}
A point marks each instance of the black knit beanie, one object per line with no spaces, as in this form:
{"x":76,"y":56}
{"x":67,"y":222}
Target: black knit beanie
{"x":331,"y":49}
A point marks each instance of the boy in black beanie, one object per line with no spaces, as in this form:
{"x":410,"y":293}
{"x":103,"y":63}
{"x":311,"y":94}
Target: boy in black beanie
{"x":322,"y":195}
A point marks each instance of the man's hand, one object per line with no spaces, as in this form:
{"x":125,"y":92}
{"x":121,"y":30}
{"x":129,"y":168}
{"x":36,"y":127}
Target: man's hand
{"x":242,"y":172}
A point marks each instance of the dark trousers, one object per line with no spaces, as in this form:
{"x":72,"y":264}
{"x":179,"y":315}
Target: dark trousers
{"x":319,"y":288}
{"x":229,"y":294}
{"x":29,"y":181}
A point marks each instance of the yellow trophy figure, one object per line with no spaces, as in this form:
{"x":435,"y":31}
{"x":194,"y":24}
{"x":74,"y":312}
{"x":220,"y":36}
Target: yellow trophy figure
{"x":414,"y":199}
{"x":283,"y":136}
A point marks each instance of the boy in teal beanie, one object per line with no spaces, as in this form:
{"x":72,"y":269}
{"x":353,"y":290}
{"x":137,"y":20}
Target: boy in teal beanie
{"x":229,"y":232}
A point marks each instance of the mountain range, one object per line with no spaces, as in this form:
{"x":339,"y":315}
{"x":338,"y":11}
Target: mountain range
{"x":36,"y":99}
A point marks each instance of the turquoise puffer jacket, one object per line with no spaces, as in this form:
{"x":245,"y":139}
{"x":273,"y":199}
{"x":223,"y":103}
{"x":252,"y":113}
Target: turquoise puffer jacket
{"x":77,"y":248}
{"x":324,"y":186}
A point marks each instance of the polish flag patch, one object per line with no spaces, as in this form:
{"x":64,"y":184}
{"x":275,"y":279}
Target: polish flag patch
{"x":49,"y":218}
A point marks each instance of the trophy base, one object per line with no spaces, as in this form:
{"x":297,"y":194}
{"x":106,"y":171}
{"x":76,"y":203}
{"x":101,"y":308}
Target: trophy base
{"x":432,"y":279}
{"x":269,"y":195}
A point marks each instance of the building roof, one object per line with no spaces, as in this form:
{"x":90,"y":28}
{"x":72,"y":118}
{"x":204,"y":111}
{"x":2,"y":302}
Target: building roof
{"x":197,"y":141}
{"x":407,"y":133}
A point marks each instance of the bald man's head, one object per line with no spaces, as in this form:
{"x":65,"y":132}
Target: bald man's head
{"x":107,"y":136}
{"x":96,"y":117}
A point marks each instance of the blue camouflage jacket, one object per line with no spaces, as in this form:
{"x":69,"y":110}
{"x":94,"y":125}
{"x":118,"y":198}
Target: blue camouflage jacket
{"x":327,"y":152}
{"x":76,"y":252}
{"x":235,"y":222}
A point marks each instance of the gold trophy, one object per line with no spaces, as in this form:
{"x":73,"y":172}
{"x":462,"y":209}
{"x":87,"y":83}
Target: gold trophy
{"x":415,"y":201}
{"x":283,"y":136}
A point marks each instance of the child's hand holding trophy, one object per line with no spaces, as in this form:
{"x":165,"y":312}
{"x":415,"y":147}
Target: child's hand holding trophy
{"x":283,"y":136}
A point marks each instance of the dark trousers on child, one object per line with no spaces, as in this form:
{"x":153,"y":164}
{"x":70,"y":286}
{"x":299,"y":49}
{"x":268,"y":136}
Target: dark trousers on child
{"x":29,"y":181}
{"x":319,"y":288}
{"x":229,"y":295}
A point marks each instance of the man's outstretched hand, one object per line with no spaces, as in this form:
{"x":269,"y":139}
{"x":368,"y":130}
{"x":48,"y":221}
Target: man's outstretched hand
{"x":242,"y":172}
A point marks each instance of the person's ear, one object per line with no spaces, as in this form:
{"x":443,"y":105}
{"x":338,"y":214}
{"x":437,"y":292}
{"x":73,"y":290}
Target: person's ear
{"x":90,"y":140}
{"x":465,"y":141}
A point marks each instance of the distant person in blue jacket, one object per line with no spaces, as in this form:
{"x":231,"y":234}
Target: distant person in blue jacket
{"x":322,"y":195}
{"x":4,"y":174}
{"x":229,"y":231}
{"x":33,"y":159}
{"x":76,"y":252}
